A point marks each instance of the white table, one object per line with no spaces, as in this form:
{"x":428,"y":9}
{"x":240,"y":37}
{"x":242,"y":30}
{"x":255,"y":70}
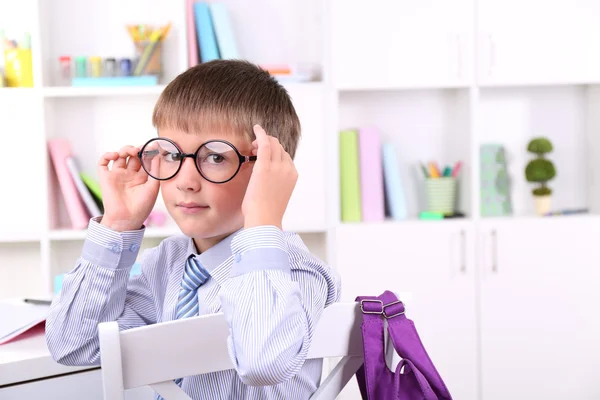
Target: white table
{"x":27,"y":371}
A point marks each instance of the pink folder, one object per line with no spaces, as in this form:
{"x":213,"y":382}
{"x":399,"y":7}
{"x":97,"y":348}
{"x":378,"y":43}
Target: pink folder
{"x":371,"y":175}
{"x":60,"y":150}
{"x":191,"y":33}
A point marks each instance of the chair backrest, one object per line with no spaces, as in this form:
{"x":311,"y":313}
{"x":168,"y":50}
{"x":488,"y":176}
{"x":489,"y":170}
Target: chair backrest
{"x":152,"y":355}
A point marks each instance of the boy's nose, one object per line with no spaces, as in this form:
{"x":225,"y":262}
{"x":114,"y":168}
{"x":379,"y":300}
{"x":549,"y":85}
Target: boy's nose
{"x":188,"y":178}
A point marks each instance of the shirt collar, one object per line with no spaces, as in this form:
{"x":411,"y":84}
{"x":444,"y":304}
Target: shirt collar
{"x":215,"y":256}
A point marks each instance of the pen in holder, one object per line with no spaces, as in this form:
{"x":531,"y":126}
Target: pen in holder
{"x":149,"y":58}
{"x":441,"y":194}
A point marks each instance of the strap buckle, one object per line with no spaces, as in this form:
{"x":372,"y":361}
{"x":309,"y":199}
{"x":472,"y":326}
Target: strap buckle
{"x":391,"y":304}
{"x":383,"y":308}
{"x":362,"y":308}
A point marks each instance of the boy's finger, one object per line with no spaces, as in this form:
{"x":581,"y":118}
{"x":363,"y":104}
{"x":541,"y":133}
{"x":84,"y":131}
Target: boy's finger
{"x":276,"y":149}
{"x":134,"y":163}
{"x":106,"y":158}
{"x":264,"y":146}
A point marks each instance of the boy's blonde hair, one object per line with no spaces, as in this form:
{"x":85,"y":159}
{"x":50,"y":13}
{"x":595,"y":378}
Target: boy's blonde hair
{"x":228,"y":96}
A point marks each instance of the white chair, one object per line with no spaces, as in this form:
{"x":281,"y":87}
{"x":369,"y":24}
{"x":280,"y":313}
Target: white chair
{"x":153,"y":356}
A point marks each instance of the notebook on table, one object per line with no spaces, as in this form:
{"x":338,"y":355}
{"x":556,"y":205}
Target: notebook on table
{"x":18,"y":317}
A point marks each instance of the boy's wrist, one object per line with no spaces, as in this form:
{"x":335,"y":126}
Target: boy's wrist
{"x":255,"y":222}
{"x":119,"y":226}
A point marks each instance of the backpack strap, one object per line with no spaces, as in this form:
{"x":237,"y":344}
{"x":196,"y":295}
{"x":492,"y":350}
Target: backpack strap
{"x":373,"y":370}
{"x":409,"y":347}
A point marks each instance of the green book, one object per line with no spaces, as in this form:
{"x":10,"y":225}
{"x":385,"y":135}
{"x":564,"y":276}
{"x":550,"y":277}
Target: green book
{"x":92,"y":184}
{"x":349,"y":177}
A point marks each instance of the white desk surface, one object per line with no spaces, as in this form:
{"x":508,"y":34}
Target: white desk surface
{"x":28,"y":358}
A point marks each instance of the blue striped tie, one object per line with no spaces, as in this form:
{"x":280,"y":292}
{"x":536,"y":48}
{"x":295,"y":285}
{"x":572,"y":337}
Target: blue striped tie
{"x":194,"y":276}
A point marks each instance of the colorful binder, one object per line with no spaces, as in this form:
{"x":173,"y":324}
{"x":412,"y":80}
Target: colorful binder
{"x":349,"y":177}
{"x":371,"y":175}
{"x":207,"y":40}
{"x":224,"y":31}
{"x":60,"y":151}
{"x":394,"y":191}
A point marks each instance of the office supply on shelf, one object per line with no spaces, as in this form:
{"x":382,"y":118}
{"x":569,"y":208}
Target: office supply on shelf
{"x":85,"y":194}
{"x":38,"y":302}
{"x":18,"y":67}
{"x":431,"y":215}
{"x":18,"y":316}
{"x":568,"y":212}
{"x":395,"y":200}
{"x":456,"y":169}
{"x":425,"y":172}
{"x":351,"y":210}
{"x":494,"y":183}
{"x":192,"y":38}
{"x":371,"y":175}
{"x":224,"y":31}
{"x":434,"y":171}
{"x":145,"y":80}
{"x":150,"y":54}
{"x":60,"y":150}
{"x":441,"y":194}
{"x":207,"y":41}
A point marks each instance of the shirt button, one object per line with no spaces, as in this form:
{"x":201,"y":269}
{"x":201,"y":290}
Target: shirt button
{"x":238,"y":258}
{"x":115,"y":248}
{"x":134,"y":247}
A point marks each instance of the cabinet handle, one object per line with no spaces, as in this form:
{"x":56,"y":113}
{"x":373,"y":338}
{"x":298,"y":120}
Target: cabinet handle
{"x":494,"y":251}
{"x":463,"y":251}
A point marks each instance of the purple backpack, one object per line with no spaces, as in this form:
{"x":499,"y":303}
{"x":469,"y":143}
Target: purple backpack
{"x":419,"y":380}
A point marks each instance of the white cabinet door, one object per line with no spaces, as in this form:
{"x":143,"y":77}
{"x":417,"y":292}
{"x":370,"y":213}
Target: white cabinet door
{"x":538,"y":42}
{"x":400,"y":43}
{"x":306,"y":211}
{"x":540,"y":295}
{"x":433,"y":261}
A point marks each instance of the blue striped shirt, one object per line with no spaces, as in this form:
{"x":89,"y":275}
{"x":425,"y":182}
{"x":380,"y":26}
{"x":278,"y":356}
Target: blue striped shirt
{"x":271,"y":289}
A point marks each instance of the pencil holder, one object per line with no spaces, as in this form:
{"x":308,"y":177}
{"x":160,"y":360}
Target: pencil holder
{"x":441,"y":194}
{"x":18,"y":68}
{"x":149,"y":54}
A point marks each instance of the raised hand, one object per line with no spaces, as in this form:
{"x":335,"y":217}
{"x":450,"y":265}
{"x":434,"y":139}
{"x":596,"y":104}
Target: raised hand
{"x":272,"y":182}
{"x":128,"y":193}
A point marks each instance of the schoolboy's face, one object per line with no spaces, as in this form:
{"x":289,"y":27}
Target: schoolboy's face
{"x":203,"y":210}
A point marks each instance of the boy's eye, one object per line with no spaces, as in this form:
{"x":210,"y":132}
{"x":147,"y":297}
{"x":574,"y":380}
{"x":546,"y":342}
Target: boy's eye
{"x":172,"y":157}
{"x":215,"y":158}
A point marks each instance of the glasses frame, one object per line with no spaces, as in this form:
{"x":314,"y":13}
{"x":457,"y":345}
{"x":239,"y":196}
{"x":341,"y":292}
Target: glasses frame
{"x":243,"y":159}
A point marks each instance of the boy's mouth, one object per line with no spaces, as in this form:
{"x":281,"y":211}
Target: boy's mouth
{"x":191,"y":208}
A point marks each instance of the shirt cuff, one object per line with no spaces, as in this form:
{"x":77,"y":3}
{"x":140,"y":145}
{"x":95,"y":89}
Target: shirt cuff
{"x":111,"y":249}
{"x":259,"y":248}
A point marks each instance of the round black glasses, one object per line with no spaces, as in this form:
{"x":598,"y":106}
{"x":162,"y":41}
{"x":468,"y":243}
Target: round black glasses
{"x":218,"y":161}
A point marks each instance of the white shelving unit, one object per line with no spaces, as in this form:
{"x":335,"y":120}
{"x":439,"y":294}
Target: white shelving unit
{"x":35,"y":232}
{"x":496,"y":299}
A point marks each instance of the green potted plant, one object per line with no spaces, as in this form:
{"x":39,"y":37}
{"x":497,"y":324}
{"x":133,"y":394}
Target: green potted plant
{"x":540,"y":170}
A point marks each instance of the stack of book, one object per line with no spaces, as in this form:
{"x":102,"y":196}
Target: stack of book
{"x":80,"y":191}
{"x":370,"y":184}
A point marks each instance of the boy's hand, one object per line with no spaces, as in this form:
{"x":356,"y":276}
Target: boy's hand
{"x":273,"y":179}
{"x":128,"y":193}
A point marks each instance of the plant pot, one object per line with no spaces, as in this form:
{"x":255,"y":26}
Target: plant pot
{"x":543,"y":204}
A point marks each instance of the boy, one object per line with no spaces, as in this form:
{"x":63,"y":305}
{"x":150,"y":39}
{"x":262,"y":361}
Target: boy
{"x":226,"y":183}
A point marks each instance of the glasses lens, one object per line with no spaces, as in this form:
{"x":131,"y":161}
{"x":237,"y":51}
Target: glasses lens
{"x":218,"y":161}
{"x":161,"y":159}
